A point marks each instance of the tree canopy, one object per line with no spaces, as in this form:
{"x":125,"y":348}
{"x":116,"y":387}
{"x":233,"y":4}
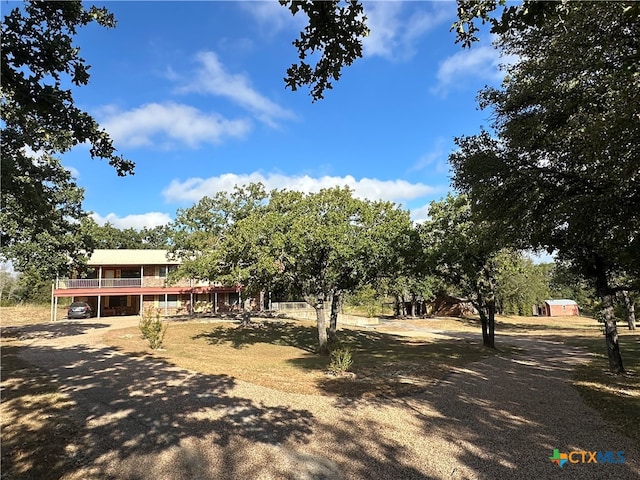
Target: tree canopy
{"x":561,"y":170}
{"x":41,"y":204}
{"x":463,"y":250}
{"x":322,"y":245}
{"x":334,"y":34}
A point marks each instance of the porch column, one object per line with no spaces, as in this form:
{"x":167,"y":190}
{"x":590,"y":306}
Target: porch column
{"x":141,"y":305}
{"x":191,"y":303}
{"x":166,"y":305}
{"x":99,"y":298}
{"x":53,"y":286}
{"x":141,"y":283}
{"x":215,"y":302}
{"x":99,"y":279}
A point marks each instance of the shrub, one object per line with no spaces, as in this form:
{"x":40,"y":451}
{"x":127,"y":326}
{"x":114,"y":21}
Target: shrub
{"x":152,"y":328}
{"x":341,"y":360}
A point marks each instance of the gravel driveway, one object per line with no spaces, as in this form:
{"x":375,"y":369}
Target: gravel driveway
{"x":143,"y":418}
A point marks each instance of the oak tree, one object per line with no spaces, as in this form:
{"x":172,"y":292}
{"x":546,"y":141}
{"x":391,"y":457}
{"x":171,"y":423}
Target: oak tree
{"x":561,"y":169}
{"x":41,"y":204}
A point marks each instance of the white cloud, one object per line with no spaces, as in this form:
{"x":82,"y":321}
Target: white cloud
{"x":40,"y":156}
{"x":193,"y":189}
{"x":169,"y":124}
{"x":421,"y":214}
{"x":75,"y":173}
{"x":394,"y":33}
{"x":481,"y":63}
{"x":213,"y":78}
{"x":436,"y":159}
{"x":149,"y":220}
{"x":272,"y":17}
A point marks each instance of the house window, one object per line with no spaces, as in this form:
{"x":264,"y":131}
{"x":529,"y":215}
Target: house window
{"x":172,"y":301}
{"x":164,"y":270}
{"x":118,"y":301}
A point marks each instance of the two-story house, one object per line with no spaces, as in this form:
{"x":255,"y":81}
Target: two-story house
{"x":126,"y":282}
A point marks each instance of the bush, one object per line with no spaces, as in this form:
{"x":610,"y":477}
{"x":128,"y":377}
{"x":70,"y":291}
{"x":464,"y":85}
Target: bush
{"x":152,"y":328}
{"x":341,"y":360}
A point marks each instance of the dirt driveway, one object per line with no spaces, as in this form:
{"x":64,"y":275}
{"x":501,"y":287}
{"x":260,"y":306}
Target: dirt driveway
{"x":142,"y":418}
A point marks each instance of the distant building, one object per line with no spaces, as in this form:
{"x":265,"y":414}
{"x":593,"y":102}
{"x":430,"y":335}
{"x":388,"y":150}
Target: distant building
{"x":557,"y":308}
{"x":449,"y":306}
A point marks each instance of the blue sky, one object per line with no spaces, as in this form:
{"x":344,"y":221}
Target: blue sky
{"x":193,"y":93}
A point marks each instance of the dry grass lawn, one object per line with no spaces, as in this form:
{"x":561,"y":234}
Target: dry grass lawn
{"x":505,"y":325}
{"x":28,"y":314}
{"x":280,"y":355}
{"x":390,"y":360}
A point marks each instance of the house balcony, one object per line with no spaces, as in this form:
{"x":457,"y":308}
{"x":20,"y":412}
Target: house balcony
{"x":146,"y":282}
{"x":76,"y":283}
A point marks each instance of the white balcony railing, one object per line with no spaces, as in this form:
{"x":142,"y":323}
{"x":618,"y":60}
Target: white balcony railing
{"x":71,"y":283}
{"x":75,"y":283}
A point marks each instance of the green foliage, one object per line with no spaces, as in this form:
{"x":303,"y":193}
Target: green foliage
{"x":321,"y":245}
{"x":464,"y":251}
{"x":341,"y":360}
{"x":528,"y":14}
{"x":8,"y":287}
{"x":520,"y":283}
{"x":153,"y":329}
{"x":462,"y":248}
{"x":365,"y":297}
{"x":560,"y":171}
{"x":333,"y":31}
{"x":32,"y":288}
{"x":109,"y":237}
{"x":41,"y":206}
{"x":214,"y":243}
{"x":38,"y":56}
{"x":566,"y":282}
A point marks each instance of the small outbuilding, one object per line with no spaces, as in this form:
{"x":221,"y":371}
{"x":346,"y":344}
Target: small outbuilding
{"x":449,"y":306}
{"x":558,"y":308}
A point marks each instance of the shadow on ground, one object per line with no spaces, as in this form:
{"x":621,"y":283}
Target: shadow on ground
{"x":136,"y":405}
{"x":140,"y":417}
{"x":275,"y":333}
{"x":503,"y":417}
{"x":383,"y":364}
{"x":49,"y":330}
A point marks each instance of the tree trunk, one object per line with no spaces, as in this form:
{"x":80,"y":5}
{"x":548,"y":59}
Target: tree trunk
{"x":323,"y":346}
{"x":610,"y":329}
{"x":629,"y":303}
{"x":611,"y":334}
{"x":413,"y":306}
{"x":492,"y":327}
{"x":333,"y":319}
{"x":485,"y":326}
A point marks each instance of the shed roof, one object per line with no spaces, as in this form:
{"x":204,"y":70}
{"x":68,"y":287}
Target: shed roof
{"x":130,"y":257}
{"x":560,"y":302}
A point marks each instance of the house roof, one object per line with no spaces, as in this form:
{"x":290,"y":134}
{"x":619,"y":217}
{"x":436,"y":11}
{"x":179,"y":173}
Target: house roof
{"x":130,"y":257}
{"x":560,"y":302}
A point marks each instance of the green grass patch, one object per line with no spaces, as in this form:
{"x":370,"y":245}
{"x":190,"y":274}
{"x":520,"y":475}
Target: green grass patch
{"x":615,"y":397}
